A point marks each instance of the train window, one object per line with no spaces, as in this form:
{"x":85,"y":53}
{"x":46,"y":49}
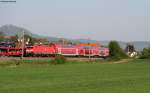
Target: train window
{"x":87,"y":47}
{"x":81,"y":51}
{"x":102,"y":53}
{"x":94,"y":51}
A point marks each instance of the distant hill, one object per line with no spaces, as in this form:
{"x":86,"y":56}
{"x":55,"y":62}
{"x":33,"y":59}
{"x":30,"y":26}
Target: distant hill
{"x":139,"y":45}
{"x":11,"y":30}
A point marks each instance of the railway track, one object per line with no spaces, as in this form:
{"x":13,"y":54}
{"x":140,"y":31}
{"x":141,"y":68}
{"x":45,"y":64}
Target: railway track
{"x":48,"y":58}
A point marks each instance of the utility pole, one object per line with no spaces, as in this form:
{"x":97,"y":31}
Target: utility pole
{"x":89,"y":49}
{"x":63,"y":41}
{"x":89,"y":52}
{"x":22,"y":45}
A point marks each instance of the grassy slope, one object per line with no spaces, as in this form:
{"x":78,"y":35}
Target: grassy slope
{"x":131,"y":77}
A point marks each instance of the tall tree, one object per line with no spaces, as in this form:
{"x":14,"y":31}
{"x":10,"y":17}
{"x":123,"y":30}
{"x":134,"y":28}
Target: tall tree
{"x":115,"y":50}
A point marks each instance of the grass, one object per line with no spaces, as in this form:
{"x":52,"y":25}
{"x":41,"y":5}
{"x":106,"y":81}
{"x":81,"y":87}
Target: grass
{"x":131,"y":77}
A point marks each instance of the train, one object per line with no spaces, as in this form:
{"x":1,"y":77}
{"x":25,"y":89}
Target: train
{"x":39,"y":50}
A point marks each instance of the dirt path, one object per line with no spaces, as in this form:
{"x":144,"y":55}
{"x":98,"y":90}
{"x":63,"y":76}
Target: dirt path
{"x":122,"y":61}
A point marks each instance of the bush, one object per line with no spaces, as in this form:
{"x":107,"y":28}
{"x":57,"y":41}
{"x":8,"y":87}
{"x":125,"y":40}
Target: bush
{"x":59,"y":59}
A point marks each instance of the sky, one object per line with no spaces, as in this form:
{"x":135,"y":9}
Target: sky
{"x":122,"y":20}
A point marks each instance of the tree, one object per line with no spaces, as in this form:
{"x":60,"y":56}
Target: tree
{"x":14,"y":38}
{"x":115,"y":51}
{"x":146,"y":53}
{"x":29,"y":39}
{"x":2,"y":36}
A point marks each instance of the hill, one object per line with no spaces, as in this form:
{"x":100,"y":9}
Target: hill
{"x":11,"y":30}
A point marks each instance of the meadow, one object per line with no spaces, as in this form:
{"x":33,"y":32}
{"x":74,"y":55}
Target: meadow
{"x":128,"y":77}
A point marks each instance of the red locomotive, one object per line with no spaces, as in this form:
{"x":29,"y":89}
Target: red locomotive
{"x":40,"y":50}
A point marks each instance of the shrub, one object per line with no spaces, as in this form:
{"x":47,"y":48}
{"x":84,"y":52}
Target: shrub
{"x":59,"y":59}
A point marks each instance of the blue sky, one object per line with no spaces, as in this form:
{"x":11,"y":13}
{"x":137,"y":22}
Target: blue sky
{"x":123,"y":20}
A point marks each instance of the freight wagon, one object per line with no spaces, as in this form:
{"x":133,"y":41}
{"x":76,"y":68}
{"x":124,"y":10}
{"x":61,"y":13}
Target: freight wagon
{"x":10,"y":51}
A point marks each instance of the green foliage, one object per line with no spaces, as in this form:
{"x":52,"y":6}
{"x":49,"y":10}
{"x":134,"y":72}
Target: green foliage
{"x":145,"y":53}
{"x":116,"y":52}
{"x":59,"y":59}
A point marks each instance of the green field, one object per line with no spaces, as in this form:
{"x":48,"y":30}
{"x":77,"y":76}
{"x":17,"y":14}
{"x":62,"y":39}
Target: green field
{"x":131,"y":77}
